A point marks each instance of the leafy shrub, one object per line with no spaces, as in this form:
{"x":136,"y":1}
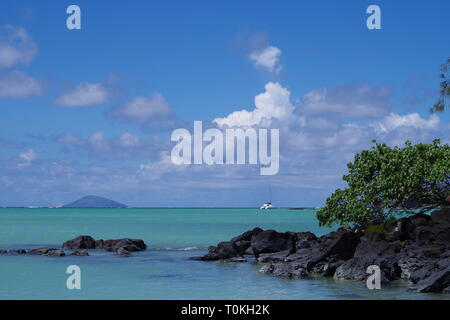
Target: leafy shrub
{"x":384,"y":182}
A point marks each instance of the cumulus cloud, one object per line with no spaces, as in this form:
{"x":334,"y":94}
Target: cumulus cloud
{"x":16,"y":46}
{"x":26,"y":158}
{"x":273,"y":104}
{"x":267,"y":58}
{"x":395,"y":129}
{"x":299,"y":140}
{"x":124,"y":146}
{"x":414,"y":120}
{"x":18,"y":85}
{"x":83,"y":95}
{"x":318,"y":137}
{"x":160,"y":167}
{"x":315,"y":148}
{"x":312,"y":161}
{"x":352,"y":102}
{"x":338,"y":141}
{"x":143,"y":110}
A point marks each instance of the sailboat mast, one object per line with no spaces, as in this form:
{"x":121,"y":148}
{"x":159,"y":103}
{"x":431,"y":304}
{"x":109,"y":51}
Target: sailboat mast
{"x":270,"y":193}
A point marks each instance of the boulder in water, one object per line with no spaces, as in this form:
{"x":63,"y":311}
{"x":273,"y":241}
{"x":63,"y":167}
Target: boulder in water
{"x":80,"y":242}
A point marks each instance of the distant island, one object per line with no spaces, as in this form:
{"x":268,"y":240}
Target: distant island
{"x":94,"y":202}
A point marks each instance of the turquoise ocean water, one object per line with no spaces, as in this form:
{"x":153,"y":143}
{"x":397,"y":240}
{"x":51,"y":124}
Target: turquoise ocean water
{"x":164,"y":270}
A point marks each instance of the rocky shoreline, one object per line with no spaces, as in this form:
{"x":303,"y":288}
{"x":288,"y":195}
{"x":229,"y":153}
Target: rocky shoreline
{"x":122,"y":247}
{"x":416,"y":249}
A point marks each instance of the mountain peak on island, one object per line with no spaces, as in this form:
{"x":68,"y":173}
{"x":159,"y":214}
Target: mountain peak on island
{"x":94,"y":202}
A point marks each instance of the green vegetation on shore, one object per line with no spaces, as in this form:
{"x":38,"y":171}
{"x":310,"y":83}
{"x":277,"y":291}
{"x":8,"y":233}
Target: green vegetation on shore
{"x":384,"y":182}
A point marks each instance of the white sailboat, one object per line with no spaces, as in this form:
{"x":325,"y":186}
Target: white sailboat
{"x":268,"y":205}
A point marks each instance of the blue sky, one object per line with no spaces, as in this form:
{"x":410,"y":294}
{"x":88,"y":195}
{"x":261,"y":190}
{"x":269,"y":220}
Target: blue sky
{"x":65,"y":95}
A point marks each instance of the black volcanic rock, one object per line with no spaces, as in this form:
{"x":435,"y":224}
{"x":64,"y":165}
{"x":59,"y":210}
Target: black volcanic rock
{"x":80,"y":242}
{"x":122,"y":247}
{"x":274,"y":257}
{"x":285,"y":270}
{"x":40,"y":251}
{"x":270,"y":241}
{"x":17,"y":251}
{"x":232,"y":250}
{"x":247,"y":236}
{"x":438,"y":281}
{"x":80,"y":253}
{"x":416,"y":249}
{"x":54,"y":253}
{"x":126,"y":243}
{"x":94,"y":202}
{"x":303,"y":239}
{"x":224,"y":250}
{"x":87,"y":242}
{"x":322,"y":255}
{"x":344,"y":244}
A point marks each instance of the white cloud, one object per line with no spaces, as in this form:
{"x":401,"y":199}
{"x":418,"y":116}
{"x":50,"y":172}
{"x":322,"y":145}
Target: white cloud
{"x":83,"y":95}
{"x":161,"y":167}
{"x":26,"y":158}
{"x":340,"y":137}
{"x":18,"y":85}
{"x":143,"y":109}
{"x":123,"y":146}
{"x":268,"y":58}
{"x":413,"y":120}
{"x":352,"y":102}
{"x":16,"y":47}
{"x":273,"y":104}
{"x":315,"y":147}
{"x":321,"y":134}
{"x":127,"y":140}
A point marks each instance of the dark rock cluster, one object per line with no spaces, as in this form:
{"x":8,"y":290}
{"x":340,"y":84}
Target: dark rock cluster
{"x":43,"y":251}
{"x":79,"y":245}
{"x":122,"y":247}
{"x":416,"y":249}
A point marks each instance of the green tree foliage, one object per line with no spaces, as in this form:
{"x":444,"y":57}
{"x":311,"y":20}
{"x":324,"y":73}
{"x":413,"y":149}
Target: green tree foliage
{"x":384,"y":181}
{"x":442,"y":102}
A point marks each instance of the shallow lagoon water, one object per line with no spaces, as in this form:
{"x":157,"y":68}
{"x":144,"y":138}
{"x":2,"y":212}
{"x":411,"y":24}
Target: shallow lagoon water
{"x":164,"y":271}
